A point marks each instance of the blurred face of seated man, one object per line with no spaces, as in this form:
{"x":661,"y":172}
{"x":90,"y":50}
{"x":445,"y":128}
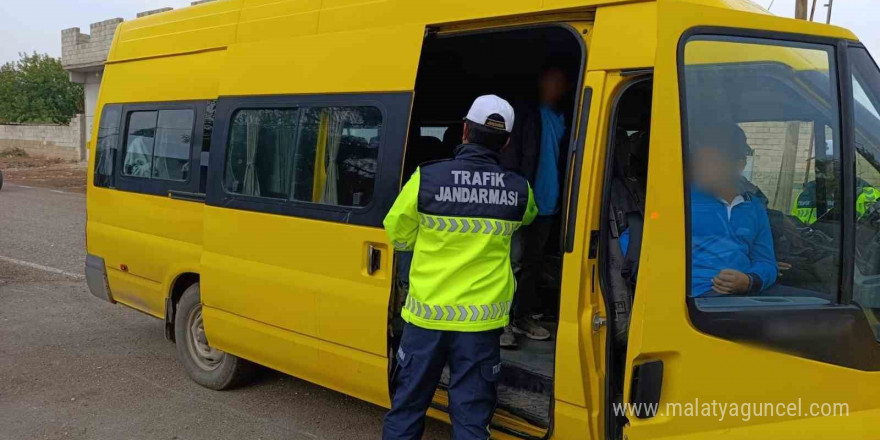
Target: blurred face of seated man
{"x":732,"y":245}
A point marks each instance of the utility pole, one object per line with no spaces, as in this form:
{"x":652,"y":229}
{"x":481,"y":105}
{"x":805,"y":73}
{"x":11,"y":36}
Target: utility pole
{"x":800,"y":9}
{"x":813,"y":10}
{"x":829,"y":5}
{"x":782,"y":199}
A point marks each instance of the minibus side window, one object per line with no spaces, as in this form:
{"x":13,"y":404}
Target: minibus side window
{"x":258,"y":158}
{"x":763,"y":172}
{"x":105,"y":147}
{"x":337,"y":156}
{"x":158,"y":144}
{"x":325,"y":155}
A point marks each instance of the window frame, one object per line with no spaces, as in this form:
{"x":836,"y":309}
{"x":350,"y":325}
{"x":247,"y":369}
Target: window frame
{"x":160,"y":187}
{"x":394,"y":107}
{"x":850,"y":341}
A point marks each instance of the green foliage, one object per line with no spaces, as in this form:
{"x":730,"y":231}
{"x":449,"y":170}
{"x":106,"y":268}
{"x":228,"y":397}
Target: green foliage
{"x":37,"y":89}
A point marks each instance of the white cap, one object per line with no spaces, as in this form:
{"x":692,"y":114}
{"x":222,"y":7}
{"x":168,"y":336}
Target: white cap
{"x":491,"y":111}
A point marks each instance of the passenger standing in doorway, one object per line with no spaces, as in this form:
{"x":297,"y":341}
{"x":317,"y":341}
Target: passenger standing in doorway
{"x":458,"y":217}
{"x":534,"y":152}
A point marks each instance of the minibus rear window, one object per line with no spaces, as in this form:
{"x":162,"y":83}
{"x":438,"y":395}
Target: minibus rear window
{"x":763,"y":172}
{"x":326,"y":155}
{"x":105,"y":147}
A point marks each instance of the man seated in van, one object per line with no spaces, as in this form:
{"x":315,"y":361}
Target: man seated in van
{"x":731,"y":242}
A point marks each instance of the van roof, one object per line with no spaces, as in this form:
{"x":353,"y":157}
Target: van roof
{"x":220,"y":23}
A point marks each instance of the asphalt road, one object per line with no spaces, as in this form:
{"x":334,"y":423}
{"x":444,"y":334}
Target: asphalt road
{"x":75,"y":367}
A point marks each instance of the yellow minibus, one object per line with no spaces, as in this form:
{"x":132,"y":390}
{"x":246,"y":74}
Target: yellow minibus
{"x":246,"y":152}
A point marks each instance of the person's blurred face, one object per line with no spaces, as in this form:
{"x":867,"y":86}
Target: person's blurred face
{"x":714,"y":171}
{"x":552,"y":87}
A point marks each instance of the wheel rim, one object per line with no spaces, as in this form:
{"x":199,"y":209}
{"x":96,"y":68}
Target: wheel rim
{"x":206,"y":357}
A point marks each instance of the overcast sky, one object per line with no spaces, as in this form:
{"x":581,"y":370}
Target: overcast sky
{"x":35,"y":25}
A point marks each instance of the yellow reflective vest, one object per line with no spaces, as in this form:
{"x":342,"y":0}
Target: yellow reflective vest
{"x":458,"y":217}
{"x":804,"y":206}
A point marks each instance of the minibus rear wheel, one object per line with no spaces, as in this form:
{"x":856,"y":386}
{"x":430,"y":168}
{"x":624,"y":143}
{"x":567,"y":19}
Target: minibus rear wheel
{"x":206,"y":365}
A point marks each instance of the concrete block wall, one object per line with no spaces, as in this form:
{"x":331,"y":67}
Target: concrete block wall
{"x":84,"y":55}
{"x":80,"y":50}
{"x":54,"y":141}
{"x":157,"y":11}
{"x":153,"y":12}
{"x":767,"y":139}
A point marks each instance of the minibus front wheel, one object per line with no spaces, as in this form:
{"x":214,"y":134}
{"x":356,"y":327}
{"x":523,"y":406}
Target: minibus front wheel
{"x":207,"y":366}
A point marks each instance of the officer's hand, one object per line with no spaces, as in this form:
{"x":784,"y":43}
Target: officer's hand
{"x":730,"y":281}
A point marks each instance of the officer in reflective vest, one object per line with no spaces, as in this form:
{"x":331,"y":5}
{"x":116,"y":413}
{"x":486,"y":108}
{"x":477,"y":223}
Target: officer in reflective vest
{"x":804,"y":206}
{"x":458,"y":217}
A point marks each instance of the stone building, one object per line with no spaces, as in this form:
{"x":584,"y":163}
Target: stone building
{"x":83,"y":55}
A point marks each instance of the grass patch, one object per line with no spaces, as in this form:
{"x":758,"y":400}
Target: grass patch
{"x":13,"y":152}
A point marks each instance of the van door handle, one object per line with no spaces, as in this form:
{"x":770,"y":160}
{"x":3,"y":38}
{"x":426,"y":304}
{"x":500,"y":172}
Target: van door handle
{"x":374,"y":259}
{"x":647,"y":383}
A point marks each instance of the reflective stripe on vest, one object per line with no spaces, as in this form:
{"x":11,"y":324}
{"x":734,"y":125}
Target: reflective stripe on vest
{"x":473,"y":312}
{"x":468,"y":225}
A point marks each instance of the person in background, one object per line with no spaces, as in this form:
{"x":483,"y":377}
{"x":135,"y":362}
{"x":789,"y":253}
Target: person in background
{"x":535,"y":152}
{"x":457,"y":216}
{"x":804,"y":206}
{"x":731,"y":242}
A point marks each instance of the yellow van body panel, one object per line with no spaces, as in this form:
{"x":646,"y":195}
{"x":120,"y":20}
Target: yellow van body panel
{"x":201,"y":27}
{"x":660,"y":328}
{"x":294,"y":294}
{"x":273,"y":19}
{"x":154,"y":238}
{"x":310,"y":275}
{"x":635,"y":24}
{"x":350,"y":371}
{"x":371,"y":60}
{"x":160,"y":79}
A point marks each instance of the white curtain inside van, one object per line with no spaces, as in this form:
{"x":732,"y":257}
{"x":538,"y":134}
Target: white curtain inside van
{"x":251,"y":184}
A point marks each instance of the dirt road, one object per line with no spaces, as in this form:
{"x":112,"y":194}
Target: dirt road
{"x":74,"y":367}
{"x":42,"y":172}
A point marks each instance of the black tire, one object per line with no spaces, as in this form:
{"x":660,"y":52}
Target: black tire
{"x":1,"y":179}
{"x":208,"y":367}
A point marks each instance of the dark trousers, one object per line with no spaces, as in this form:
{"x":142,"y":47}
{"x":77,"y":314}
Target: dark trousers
{"x":474,"y":366}
{"x":527,"y":259}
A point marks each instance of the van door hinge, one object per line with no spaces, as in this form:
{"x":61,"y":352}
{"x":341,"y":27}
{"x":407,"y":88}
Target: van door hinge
{"x":598,"y":322}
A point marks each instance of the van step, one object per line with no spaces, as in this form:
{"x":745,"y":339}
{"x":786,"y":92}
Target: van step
{"x":521,"y":392}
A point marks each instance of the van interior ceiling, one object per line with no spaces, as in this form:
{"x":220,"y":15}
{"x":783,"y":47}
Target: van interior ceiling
{"x":454,"y":69}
